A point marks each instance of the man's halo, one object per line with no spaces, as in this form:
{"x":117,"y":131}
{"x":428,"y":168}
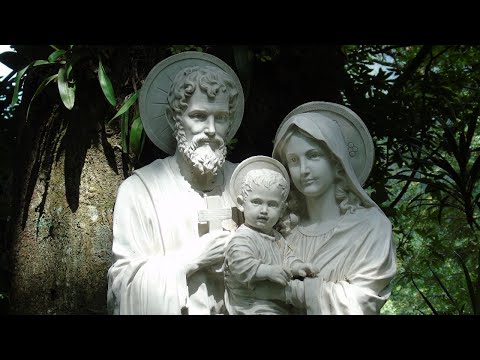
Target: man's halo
{"x":154,"y":96}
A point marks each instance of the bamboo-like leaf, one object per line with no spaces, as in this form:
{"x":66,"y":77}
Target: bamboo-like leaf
{"x":17,"y":85}
{"x":136,"y":136}
{"x":40,"y":62}
{"x":106,"y":84}
{"x":40,"y":88}
{"x":425,"y":299}
{"x":55,"y":55}
{"x":441,"y":186}
{"x":67,"y":92}
{"x":474,"y":173}
{"x":472,"y":124}
{"x":471,"y":291}
{"x":449,"y":137}
{"x":131,"y":100}
{"x":452,"y":300}
{"x":19,"y":77}
{"x":69,"y":67}
{"x":124,"y":132}
{"x":445,"y":165}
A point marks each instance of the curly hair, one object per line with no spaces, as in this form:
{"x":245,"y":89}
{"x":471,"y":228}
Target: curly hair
{"x":210,"y":80}
{"x":266,"y":178}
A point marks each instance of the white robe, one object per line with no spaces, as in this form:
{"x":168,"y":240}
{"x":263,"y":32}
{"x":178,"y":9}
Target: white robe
{"x":246,"y":251}
{"x":356,"y":261}
{"x":155,"y":223}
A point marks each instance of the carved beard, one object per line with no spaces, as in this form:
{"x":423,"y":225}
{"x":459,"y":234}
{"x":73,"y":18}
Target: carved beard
{"x":203,"y":158}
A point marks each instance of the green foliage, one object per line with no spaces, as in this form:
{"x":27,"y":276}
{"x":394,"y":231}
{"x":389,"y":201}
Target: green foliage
{"x":422,"y":109}
{"x":137,"y":136}
{"x":63,"y":62}
{"x":19,"y":77}
{"x":176,"y":49}
{"x":106,"y":84}
{"x":129,"y":101}
{"x":66,"y":88}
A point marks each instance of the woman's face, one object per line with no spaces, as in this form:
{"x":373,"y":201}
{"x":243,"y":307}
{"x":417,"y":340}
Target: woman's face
{"x":311,"y":170}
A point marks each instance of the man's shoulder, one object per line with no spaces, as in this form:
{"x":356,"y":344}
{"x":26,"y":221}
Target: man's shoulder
{"x":145,"y":174}
{"x":230,"y":164}
{"x":153,"y":167}
{"x":229,"y":167}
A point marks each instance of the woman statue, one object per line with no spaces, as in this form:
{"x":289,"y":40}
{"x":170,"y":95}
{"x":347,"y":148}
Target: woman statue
{"x":329,"y":153}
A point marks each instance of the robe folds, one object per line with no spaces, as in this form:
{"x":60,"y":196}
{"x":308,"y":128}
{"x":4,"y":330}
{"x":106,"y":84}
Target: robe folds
{"x":155,"y":225}
{"x":356,"y":260}
{"x":246,"y":251}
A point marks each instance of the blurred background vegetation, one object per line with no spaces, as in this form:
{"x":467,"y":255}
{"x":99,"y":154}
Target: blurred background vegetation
{"x":420,"y":103}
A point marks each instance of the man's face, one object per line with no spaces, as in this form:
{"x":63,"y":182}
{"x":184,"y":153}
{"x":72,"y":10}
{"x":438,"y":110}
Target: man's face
{"x":204,"y":127}
{"x":207,"y":117}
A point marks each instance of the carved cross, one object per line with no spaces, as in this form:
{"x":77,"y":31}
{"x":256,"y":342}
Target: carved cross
{"x":215,"y":213}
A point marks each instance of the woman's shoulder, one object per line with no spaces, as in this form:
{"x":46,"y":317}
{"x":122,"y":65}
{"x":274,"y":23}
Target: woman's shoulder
{"x":371,"y":216}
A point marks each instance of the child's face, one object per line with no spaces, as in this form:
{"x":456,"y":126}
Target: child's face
{"x":263,"y":207}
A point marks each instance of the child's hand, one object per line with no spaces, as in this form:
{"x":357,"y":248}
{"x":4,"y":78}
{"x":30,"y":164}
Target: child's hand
{"x":274,"y":273}
{"x":300,"y":269}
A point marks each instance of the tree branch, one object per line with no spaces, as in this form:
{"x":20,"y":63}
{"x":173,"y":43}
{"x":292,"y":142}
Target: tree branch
{"x":410,"y":68}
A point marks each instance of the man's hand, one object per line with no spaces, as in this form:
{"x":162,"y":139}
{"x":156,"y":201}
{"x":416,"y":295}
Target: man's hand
{"x":300,"y":269}
{"x":207,"y":251}
{"x":274,"y":273}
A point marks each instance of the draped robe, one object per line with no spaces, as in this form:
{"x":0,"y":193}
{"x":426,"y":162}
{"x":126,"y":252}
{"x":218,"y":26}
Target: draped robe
{"x":356,"y":259}
{"x":155,"y":225}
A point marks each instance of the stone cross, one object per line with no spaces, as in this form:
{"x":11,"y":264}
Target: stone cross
{"x":215,"y":213}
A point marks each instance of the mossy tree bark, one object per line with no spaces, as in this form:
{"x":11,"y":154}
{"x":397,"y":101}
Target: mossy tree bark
{"x":66,"y":180}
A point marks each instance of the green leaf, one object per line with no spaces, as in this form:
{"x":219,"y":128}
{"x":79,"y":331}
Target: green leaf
{"x":67,"y":92}
{"x":54,"y":47}
{"x":106,"y":84}
{"x":430,"y":305}
{"x":40,"y":88}
{"x":40,"y":62}
{"x":445,"y":290}
{"x":136,"y":133}
{"x":17,"y":85}
{"x":55,"y":55}
{"x":126,"y":106}
{"x":19,"y":77}
{"x":69,"y":67}
{"x":468,"y":280}
{"x":124,"y":132}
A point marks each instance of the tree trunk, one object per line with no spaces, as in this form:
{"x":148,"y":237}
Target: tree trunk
{"x":66,"y":184}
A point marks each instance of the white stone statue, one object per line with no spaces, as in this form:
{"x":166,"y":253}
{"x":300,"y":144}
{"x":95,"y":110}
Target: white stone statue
{"x":173,"y":218}
{"x":257,"y":252}
{"x":329,"y":153}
